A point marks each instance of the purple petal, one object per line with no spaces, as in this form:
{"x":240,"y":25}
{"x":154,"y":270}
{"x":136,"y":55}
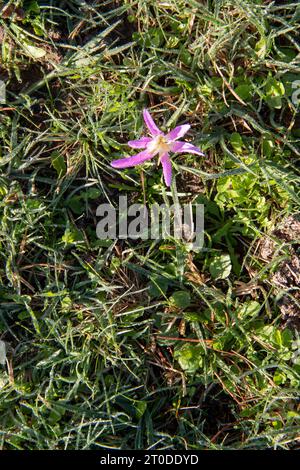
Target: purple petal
{"x":167,"y":168}
{"x":184,"y":147}
{"x":140,"y":143}
{"x":154,"y":130}
{"x":132,"y":161}
{"x":178,"y":132}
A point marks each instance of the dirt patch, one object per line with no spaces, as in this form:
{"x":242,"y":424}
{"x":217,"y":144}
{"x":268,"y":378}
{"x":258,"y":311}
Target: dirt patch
{"x":289,"y":230}
{"x":286,"y":279}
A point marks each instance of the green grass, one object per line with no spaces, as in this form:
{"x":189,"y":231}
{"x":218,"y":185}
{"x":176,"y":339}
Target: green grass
{"x":142,"y":344}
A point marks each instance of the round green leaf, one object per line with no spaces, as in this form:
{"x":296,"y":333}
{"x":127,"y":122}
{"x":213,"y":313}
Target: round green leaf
{"x":181,"y":299}
{"x":220,"y":267}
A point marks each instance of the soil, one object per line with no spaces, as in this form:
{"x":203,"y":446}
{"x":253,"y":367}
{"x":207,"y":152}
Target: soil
{"x":286,"y":279}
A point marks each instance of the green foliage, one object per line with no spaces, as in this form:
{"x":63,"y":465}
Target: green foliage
{"x":251,"y":200}
{"x":274,"y":91}
{"x":181,"y":299}
{"x":189,"y":357}
{"x":220,"y":267}
{"x":116,"y":344}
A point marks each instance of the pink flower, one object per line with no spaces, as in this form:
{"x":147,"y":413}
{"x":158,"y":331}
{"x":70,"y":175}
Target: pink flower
{"x":158,"y":144}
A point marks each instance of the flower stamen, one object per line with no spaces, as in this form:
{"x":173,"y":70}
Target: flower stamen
{"x":158,"y":145}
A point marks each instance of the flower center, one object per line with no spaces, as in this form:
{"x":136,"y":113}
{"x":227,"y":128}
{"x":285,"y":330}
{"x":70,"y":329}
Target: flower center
{"x":159,"y":145}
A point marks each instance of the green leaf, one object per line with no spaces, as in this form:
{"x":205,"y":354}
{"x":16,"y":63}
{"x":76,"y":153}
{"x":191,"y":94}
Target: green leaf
{"x":135,"y":408}
{"x":71,"y":235}
{"x":261,"y":47}
{"x":278,"y":338}
{"x":274,"y":92}
{"x":267,"y":147}
{"x":210,"y":206}
{"x":279,"y":377}
{"x":181,"y":299}
{"x":196,"y":316}
{"x":236,"y":142}
{"x":220,"y":267}
{"x":189,"y":357}
{"x":185,"y":56}
{"x":92,"y":193}
{"x":58,"y":162}
{"x":286,"y":337}
{"x":32,"y":6}
{"x":76,"y":204}
{"x":56,"y":415}
{"x":249,"y":309}
{"x":140,"y":408}
{"x":158,"y":286}
{"x":244,"y":91}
